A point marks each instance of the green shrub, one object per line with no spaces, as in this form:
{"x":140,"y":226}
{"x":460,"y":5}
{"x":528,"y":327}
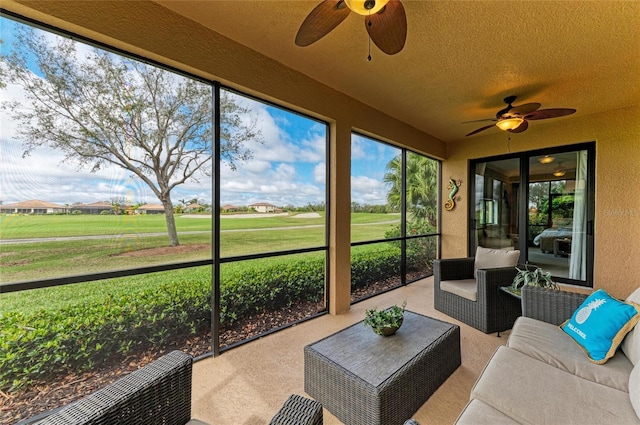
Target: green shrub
{"x":38,"y":345}
{"x":270,"y":285}
{"x":375,"y":263}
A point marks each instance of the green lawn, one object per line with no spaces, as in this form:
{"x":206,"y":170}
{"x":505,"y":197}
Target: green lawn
{"x":126,"y":236}
{"x":46,"y":226}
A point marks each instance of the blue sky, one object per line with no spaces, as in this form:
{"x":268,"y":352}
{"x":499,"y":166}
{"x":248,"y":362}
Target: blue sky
{"x":287,"y":169}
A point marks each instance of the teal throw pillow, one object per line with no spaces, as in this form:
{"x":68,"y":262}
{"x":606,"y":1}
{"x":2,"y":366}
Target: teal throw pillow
{"x":600,"y":325}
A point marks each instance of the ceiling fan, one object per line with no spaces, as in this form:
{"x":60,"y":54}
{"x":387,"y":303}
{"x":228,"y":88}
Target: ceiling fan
{"x":385,"y":21}
{"x":515,"y":118}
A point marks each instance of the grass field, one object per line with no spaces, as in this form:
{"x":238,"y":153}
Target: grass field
{"x":127,"y":241}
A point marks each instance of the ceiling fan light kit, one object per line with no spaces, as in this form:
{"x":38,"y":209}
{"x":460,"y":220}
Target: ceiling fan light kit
{"x":559,"y":170}
{"x":546,"y":159}
{"x":509,"y":123}
{"x":366,"y":7}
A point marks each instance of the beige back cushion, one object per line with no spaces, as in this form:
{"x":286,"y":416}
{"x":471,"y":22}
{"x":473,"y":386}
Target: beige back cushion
{"x":487,"y":258}
{"x":631,"y":343}
{"x":634,"y":389}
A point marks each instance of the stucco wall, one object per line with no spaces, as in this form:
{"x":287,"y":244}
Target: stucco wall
{"x":617,"y":213}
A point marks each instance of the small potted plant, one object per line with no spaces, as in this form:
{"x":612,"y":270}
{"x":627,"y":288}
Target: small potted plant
{"x":385,"y":322}
{"x":531,"y":275}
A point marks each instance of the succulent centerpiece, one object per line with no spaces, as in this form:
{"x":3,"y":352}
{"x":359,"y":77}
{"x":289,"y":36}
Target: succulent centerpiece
{"x":385,"y":322}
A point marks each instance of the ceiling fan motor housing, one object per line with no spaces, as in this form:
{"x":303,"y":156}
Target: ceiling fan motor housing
{"x":504,"y":113}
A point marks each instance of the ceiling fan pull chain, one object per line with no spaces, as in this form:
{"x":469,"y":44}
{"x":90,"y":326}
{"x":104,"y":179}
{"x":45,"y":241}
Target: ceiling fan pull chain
{"x":369,"y":34}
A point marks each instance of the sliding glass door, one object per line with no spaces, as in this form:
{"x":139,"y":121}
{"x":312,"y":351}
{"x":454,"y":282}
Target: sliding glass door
{"x":496,"y":204}
{"x":540,"y":203}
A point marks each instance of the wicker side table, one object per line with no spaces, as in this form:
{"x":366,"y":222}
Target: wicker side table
{"x":366,"y":379}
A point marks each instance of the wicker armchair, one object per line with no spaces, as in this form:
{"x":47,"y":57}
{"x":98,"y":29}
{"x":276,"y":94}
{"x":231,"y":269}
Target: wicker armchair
{"x":492,"y":311}
{"x":158,"y":393}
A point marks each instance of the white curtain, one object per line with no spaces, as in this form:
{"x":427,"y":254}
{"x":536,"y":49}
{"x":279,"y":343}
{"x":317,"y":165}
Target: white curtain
{"x":578,"y":262}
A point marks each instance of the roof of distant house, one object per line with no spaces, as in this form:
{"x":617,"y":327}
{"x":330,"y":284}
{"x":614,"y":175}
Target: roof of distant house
{"x":33,"y":203}
{"x":151,"y":207}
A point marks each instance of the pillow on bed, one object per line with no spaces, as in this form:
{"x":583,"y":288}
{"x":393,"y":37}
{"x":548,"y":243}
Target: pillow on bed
{"x":600,"y":324}
{"x":487,"y":258}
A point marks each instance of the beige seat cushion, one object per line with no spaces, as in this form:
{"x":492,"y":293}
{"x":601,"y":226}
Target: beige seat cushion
{"x":465,"y":288}
{"x":479,"y":413}
{"x":531,"y":391}
{"x":631,"y":343}
{"x":549,"y":344}
{"x":487,"y":258}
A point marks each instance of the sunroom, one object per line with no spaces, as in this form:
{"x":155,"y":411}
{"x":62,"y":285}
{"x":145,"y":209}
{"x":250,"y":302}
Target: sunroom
{"x":360,"y":125}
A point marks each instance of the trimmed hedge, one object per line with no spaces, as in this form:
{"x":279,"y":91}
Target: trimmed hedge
{"x":269,"y":285}
{"x":372,"y":263}
{"x":37,"y":346}
{"x":46,"y":342}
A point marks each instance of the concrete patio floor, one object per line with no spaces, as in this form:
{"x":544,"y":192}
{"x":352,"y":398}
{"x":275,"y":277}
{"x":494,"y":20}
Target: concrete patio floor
{"x":247,"y":385}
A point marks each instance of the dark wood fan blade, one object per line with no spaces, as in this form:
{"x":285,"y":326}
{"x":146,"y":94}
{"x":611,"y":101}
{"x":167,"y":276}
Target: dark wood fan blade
{"x":525,"y":109}
{"x":388,"y":28}
{"x":519,"y":129}
{"x":543,"y":114}
{"x":482,"y":120}
{"x":480,"y":129}
{"x":322,"y":19}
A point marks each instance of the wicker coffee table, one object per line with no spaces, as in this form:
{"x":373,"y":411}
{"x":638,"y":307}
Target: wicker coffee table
{"x":366,"y":379}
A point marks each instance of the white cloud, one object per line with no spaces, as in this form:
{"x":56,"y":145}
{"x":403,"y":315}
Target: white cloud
{"x":365,"y":190}
{"x":286,"y":171}
{"x":320,"y":173}
{"x":358,"y":147}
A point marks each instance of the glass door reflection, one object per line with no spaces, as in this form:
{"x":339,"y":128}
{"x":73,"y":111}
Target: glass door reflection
{"x":557,"y":214}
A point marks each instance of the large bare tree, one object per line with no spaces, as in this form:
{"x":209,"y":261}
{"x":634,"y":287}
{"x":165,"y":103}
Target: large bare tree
{"x":100,"y":108}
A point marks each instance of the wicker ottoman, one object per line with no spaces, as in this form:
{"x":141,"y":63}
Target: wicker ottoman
{"x":366,"y":379}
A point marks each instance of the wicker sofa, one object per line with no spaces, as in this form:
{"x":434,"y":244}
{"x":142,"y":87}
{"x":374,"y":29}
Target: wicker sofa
{"x":543,"y":376}
{"x":158,"y":393}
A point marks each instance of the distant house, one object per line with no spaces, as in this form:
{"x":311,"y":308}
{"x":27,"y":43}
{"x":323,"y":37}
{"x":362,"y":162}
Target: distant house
{"x":92,"y":208}
{"x":229,"y":208}
{"x":150,"y":209}
{"x":33,"y":207}
{"x":191,"y":208}
{"x":264,"y":207}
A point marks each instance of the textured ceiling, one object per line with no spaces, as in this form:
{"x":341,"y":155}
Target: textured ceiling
{"x":461,"y":58}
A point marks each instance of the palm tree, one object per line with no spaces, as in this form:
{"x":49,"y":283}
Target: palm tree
{"x":421,"y":187}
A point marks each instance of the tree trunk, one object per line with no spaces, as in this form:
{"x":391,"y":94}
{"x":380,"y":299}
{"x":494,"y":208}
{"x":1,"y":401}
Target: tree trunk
{"x":171,"y":222}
